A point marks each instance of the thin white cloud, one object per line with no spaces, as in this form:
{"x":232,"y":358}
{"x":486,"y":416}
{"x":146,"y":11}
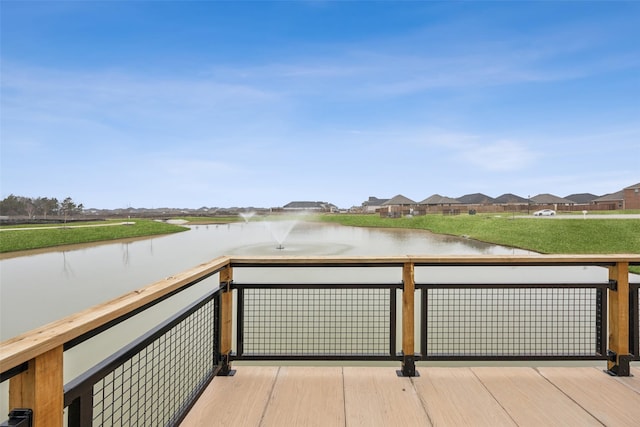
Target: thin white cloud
{"x":72,"y":108}
{"x":482,"y":152}
{"x":499,"y":156}
{"x":413,"y":63}
{"x":118,"y":93}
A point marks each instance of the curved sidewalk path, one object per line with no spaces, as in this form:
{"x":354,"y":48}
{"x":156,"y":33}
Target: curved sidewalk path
{"x":68,"y":226}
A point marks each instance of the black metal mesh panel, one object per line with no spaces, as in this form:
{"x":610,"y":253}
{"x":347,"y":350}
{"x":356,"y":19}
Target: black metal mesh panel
{"x":152,"y":387}
{"x":511,"y":322}
{"x":316,"y":321}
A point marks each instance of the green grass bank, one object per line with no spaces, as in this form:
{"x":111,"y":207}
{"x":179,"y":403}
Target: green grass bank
{"x":544,"y":235}
{"x":12,"y":239}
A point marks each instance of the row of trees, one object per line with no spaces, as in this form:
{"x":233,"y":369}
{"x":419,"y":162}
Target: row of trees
{"x":40,"y":207}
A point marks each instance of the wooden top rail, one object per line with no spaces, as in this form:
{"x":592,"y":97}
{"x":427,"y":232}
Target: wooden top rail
{"x":20,"y":349}
{"x":424,"y":260}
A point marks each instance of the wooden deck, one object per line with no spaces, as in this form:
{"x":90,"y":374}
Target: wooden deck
{"x":376,"y":396}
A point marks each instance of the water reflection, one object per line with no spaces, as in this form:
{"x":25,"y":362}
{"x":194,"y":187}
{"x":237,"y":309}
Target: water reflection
{"x":125,"y":254}
{"x":67,"y":271}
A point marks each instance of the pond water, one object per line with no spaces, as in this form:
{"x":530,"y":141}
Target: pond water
{"x":38,"y":289}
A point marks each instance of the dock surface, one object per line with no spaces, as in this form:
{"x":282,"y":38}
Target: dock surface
{"x":451,"y":396}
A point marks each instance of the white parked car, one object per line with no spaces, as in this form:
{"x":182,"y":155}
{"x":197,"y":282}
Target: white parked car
{"x":545,"y":212}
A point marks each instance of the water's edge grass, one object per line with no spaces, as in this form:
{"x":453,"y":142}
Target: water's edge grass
{"x":12,"y":240}
{"x":543,"y":235}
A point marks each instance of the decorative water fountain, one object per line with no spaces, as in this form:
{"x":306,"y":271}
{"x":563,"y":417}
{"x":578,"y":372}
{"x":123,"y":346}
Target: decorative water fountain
{"x":280,"y":230}
{"x":287,"y":233}
{"x":247,"y":215}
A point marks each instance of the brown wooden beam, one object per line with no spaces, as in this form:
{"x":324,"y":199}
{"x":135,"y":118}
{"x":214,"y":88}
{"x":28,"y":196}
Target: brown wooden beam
{"x":41,"y":389}
{"x":226,"y":319}
{"x":226,"y":311}
{"x":408,"y":315}
{"x":619,"y":320}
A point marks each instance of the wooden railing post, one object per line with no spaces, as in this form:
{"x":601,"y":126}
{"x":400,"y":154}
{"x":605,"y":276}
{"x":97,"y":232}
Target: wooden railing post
{"x":41,"y":389}
{"x":619,"y":356}
{"x":408,"y":321}
{"x":226,"y":319}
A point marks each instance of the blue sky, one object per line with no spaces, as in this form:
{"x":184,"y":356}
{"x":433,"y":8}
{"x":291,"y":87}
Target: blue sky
{"x":204,"y":103}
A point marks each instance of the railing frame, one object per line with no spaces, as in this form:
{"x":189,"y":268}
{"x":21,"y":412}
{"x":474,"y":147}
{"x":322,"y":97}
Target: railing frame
{"x":240,"y":355}
{"x":600,"y":349}
{"x":79,"y":392}
{"x":34,"y":361}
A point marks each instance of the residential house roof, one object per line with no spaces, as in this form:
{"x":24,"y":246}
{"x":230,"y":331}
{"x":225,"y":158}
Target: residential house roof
{"x":550,"y":199}
{"x":399,"y":200}
{"x":476,"y":199}
{"x":581,"y":198}
{"x":613,"y":197}
{"x":632,"y":187}
{"x":509,"y":198}
{"x":437,"y":199}
{"x":374,"y":201}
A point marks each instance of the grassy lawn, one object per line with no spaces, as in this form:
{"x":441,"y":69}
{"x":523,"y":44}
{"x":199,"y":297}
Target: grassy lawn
{"x":19,"y":240}
{"x":544,"y":235}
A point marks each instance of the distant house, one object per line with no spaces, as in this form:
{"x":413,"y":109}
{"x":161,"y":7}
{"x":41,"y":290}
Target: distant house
{"x":399,"y":200}
{"x":550,"y":199}
{"x":631,"y":197}
{"x":305,"y":206}
{"x":397,"y":206}
{"x":613,"y":200}
{"x":476,"y":199}
{"x":438,"y":200}
{"x":627,"y":198}
{"x":373,"y":204}
{"x":582,"y":198}
{"x":510,"y":199}
{"x":437,"y":203}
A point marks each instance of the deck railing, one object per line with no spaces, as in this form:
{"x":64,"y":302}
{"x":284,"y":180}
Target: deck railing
{"x":155,"y":379}
{"x":513,"y":322}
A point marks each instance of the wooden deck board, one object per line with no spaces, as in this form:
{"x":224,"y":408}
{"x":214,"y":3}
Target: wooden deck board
{"x":607,"y":399}
{"x":633,"y":382}
{"x":306,"y":396}
{"x":530,"y":399}
{"x":456,"y":397}
{"x":376,"y":396}
{"x":240,"y":400}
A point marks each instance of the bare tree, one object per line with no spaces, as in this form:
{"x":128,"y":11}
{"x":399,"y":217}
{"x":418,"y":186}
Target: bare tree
{"x":67,"y":207}
{"x":29,"y":206}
